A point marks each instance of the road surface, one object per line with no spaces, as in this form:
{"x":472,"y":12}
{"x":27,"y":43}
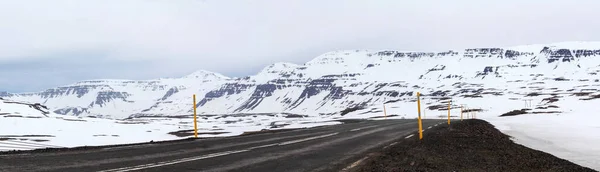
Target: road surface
{"x":329,"y":148}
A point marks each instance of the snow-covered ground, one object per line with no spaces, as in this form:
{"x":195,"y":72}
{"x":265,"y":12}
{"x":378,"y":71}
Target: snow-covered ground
{"x":570,"y":134}
{"x":573,"y":134}
{"x":23,"y":127}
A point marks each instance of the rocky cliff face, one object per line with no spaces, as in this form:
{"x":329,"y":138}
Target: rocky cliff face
{"x":329,"y":83}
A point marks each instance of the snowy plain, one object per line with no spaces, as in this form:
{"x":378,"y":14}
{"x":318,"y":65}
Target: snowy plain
{"x":570,"y":134}
{"x":25,"y":128}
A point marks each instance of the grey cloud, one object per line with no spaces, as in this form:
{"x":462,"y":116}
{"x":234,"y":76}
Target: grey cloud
{"x":237,"y":38}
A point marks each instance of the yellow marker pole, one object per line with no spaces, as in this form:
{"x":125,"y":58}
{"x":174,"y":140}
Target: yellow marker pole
{"x":420,"y":124}
{"x":195,"y":124}
{"x":449,"y":111}
{"x":461,"y":113}
{"x":384,"y":112}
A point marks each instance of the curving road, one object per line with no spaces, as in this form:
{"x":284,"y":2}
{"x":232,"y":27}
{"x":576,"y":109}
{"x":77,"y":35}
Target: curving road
{"x":329,"y":148}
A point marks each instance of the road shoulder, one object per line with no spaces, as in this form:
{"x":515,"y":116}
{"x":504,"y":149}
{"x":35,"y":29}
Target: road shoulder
{"x":470,"y":145}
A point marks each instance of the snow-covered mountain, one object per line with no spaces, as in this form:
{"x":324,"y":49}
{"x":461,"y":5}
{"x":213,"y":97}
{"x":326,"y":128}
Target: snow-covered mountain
{"x":554,"y":87}
{"x":329,"y":83}
{"x":19,"y":109}
{"x":119,"y":98}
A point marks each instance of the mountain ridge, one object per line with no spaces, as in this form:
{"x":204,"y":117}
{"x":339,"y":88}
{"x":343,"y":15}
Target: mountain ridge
{"x":326,"y":84}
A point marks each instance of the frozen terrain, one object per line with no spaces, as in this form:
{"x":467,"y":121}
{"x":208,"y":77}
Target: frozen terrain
{"x":562,"y":118}
{"x":558,"y":83}
{"x":23,"y":127}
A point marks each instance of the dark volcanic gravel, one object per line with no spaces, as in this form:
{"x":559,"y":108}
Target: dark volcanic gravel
{"x":470,"y":145}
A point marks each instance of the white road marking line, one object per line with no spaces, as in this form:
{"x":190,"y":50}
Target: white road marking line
{"x":409,"y":136}
{"x":158,"y":164}
{"x":354,"y":164}
{"x":146,"y":166}
{"x":263,"y":146}
{"x":357,"y":129}
{"x":429,"y":127}
{"x":390,"y":145}
{"x":24,"y":154}
{"x":306,"y":139}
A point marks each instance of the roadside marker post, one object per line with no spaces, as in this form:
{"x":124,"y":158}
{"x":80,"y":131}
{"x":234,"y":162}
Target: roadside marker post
{"x":449,"y":102}
{"x":460,"y":112}
{"x":420,"y":124}
{"x":468,"y":113}
{"x":384,"y":112}
{"x":195,"y":120}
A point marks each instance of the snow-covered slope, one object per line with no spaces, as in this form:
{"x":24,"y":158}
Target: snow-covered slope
{"x":120,"y":98}
{"x":19,"y":109}
{"x":26,"y":126}
{"x":327,"y":84}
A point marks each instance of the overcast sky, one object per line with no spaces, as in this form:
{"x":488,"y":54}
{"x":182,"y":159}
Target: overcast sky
{"x":45,"y":44}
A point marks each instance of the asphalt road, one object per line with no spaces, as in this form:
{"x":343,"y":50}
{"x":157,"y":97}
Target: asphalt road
{"x":329,"y":148}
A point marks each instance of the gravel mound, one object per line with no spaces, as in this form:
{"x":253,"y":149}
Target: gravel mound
{"x":470,"y":145}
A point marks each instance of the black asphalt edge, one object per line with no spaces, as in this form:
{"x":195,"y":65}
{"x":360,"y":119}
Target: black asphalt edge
{"x":80,"y":148}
